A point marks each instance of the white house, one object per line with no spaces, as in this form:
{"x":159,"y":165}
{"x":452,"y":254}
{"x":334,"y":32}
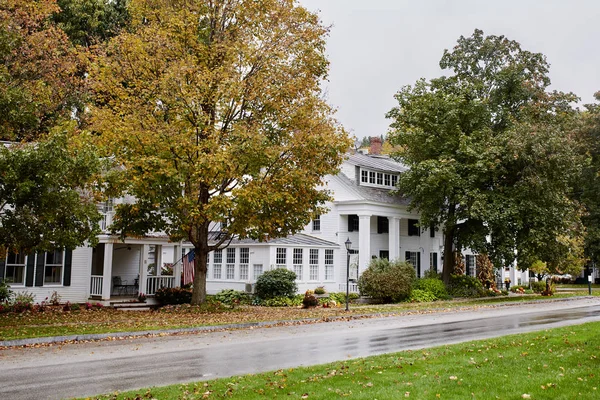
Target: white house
{"x":363,"y":210}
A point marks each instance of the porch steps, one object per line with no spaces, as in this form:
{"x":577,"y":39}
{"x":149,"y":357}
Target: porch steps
{"x":132,"y":305}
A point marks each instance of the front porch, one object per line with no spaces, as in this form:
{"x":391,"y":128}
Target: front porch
{"x":134,"y":267}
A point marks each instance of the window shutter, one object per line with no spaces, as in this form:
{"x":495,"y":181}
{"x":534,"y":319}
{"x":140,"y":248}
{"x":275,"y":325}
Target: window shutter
{"x":39,"y":269}
{"x":407,"y":256}
{"x":30,"y":268}
{"x":67,"y":271}
{"x":2,"y":268}
{"x":418,"y":264}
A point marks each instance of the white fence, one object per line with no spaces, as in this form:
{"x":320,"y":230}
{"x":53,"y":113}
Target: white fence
{"x":96,"y":285}
{"x":153,"y":283}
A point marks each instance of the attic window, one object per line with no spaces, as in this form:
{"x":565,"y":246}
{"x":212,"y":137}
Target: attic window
{"x":378,"y":179}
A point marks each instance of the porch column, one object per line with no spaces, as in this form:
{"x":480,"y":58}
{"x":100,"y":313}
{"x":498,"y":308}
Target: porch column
{"x":177,"y":265}
{"x":394,"y":237}
{"x":107,"y":271}
{"x":144,"y":249}
{"x":158,"y":259}
{"x":364,"y":242}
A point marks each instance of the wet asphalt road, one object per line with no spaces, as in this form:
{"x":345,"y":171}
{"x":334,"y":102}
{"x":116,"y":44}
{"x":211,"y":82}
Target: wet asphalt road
{"x":102,"y":367}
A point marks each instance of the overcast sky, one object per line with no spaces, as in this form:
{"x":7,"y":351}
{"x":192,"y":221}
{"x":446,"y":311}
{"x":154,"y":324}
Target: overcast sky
{"x":377,"y":46}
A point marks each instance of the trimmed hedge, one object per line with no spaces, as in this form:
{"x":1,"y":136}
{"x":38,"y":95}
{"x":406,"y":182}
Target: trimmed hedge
{"x":171,"y":296}
{"x":388,"y":281}
{"x":465,"y":286}
{"x":434,"y":286}
{"x":279,"y":282}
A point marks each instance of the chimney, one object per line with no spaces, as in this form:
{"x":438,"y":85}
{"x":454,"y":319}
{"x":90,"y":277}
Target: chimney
{"x":375,"y":145}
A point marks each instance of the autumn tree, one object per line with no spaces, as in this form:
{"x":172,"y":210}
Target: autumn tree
{"x":46,"y":168}
{"x":213,"y":113}
{"x":89,"y":22}
{"x":46,"y":198}
{"x":40,"y":73}
{"x":589,"y":187}
{"x":490,"y":154}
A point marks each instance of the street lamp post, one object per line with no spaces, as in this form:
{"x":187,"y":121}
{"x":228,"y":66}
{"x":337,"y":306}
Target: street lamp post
{"x":348,"y":244}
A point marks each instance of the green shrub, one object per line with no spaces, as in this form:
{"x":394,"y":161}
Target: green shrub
{"x":465,"y":286}
{"x":280,"y":301}
{"x":166,"y":296}
{"x":320,"y":290}
{"x":434,"y":286}
{"x":232,"y":297}
{"x":421,"y":296}
{"x":278,"y":282}
{"x":340,"y":297}
{"x":538,"y":287}
{"x":5,"y":292}
{"x":431,"y":274}
{"x":388,"y":281}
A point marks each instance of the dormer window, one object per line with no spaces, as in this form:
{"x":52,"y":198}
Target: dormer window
{"x":378,"y":179}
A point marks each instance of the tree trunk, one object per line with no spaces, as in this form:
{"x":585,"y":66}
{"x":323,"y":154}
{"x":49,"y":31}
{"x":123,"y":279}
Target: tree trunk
{"x":200,"y":272}
{"x":448,"y":268}
{"x":449,"y":231}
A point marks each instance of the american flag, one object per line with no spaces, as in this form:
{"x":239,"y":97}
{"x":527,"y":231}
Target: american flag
{"x":188,"y":267}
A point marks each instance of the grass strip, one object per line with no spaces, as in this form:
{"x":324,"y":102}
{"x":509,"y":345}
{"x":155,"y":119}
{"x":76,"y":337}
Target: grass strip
{"x":556,"y":364}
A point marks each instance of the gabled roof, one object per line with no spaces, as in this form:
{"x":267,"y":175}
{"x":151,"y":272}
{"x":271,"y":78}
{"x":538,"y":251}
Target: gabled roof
{"x":379,"y":195}
{"x":376,"y":162}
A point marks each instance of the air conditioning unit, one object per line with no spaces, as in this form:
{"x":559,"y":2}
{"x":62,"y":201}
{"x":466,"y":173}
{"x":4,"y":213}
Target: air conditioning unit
{"x":250,"y":287}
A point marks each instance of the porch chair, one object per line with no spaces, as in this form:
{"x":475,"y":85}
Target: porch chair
{"x":119,"y":285}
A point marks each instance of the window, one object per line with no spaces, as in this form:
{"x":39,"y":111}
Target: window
{"x":433,"y":261}
{"x":328,"y":264}
{"x":258,"y":270}
{"x":353,"y":223}
{"x":372,"y":177}
{"x":414,"y":257}
{"x":413,"y":227}
{"x":383,"y":225}
{"x":316,"y":225}
{"x":313,"y":260}
{"x":470,"y":265}
{"x":230,"y":267}
{"x":364,"y":176}
{"x":53,"y":267}
{"x":297,"y":258}
{"x":379,"y":178}
{"x":384,"y":254}
{"x":387,"y":180}
{"x":281,"y":258}
{"x":217,"y":261}
{"x":244,"y":260}
{"x":15,"y":269}
{"x":394,"y":180}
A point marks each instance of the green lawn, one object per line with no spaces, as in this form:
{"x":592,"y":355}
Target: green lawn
{"x":57,"y":322}
{"x":554,"y":364}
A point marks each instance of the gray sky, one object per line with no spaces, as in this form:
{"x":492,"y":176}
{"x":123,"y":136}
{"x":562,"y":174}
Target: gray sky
{"x":377,"y":46}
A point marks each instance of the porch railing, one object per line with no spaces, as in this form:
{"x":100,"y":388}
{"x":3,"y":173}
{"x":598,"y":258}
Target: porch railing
{"x":96,"y":285}
{"x":353,"y":287}
{"x":153,"y":283}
